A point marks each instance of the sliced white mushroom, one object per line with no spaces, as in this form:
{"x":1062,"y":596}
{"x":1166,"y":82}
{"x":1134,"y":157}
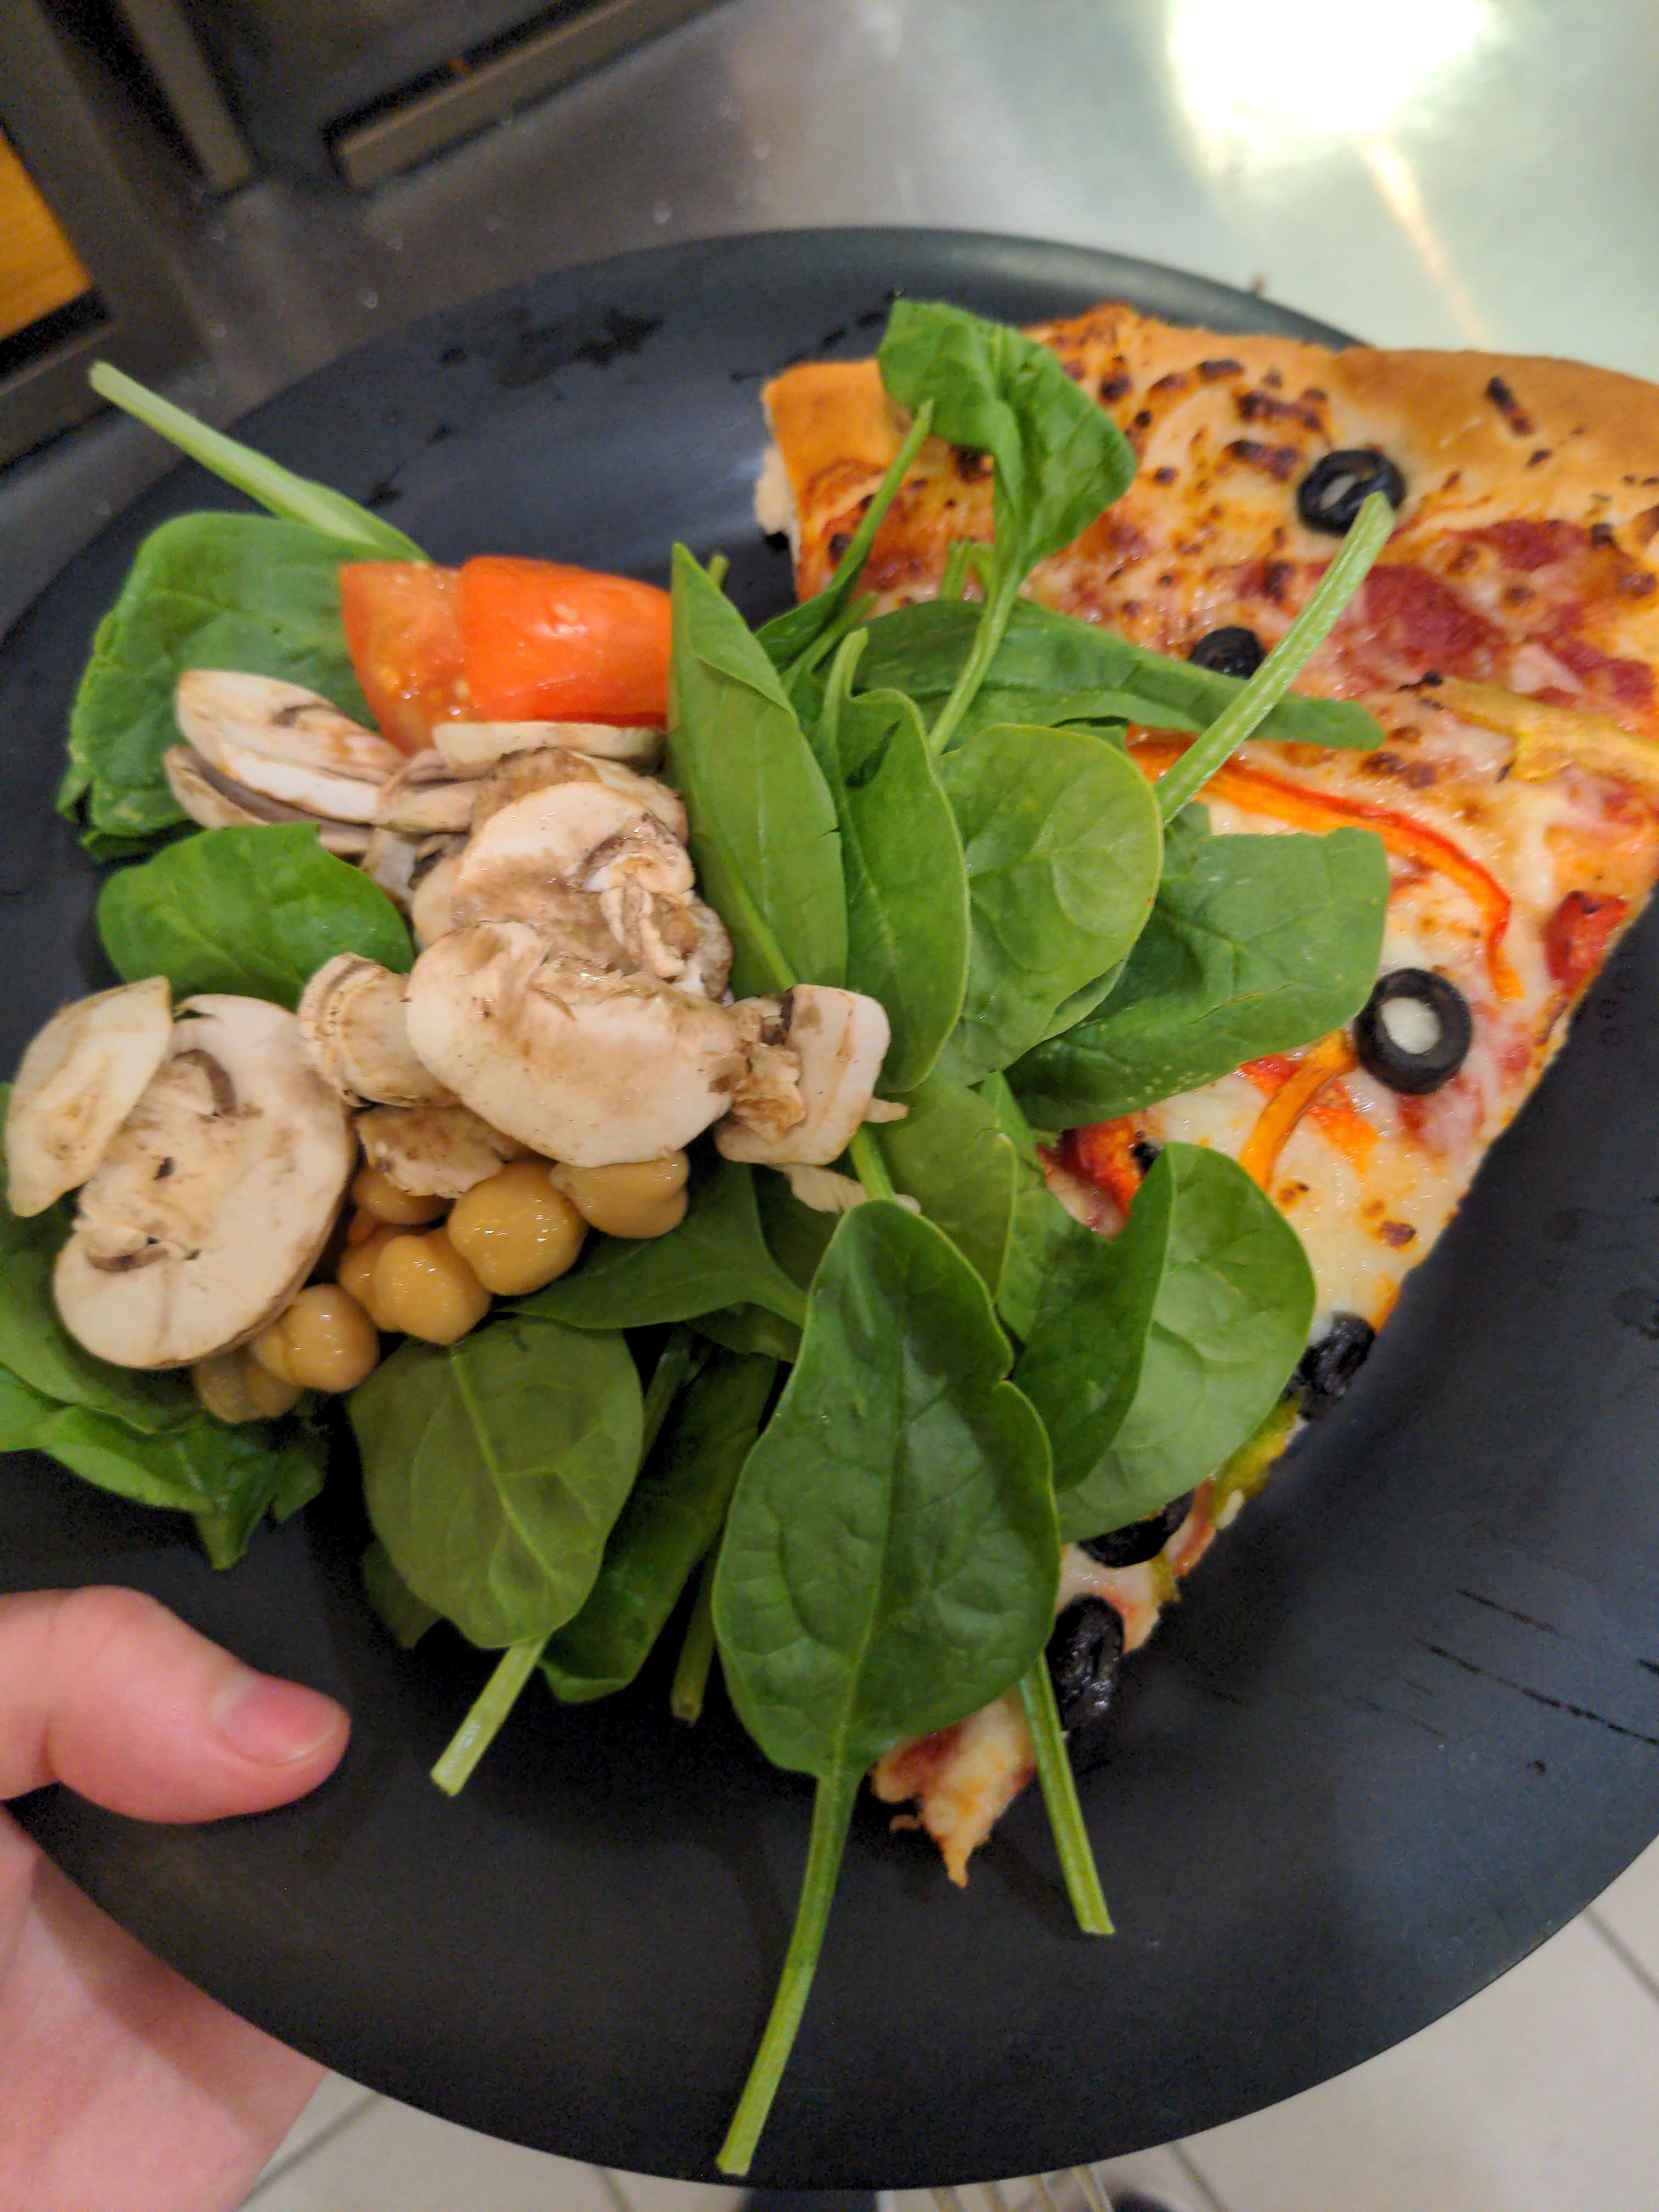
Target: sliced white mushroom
{"x":392,"y":861}
{"x":430,"y":906}
{"x":840,"y":1039}
{"x":767,"y":1095}
{"x":285,"y":742}
{"x":435,"y":1151}
{"x":524,"y":774}
{"x":573,"y":921}
{"x":351,"y":1018}
{"x":216,"y":803}
{"x":584,"y":1066}
{"x":423,"y":798}
{"x":79,"y":1080}
{"x":469,"y":748}
{"x":646,"y":856}
{"x":680,"y":940}
{"x":215,"y":1197}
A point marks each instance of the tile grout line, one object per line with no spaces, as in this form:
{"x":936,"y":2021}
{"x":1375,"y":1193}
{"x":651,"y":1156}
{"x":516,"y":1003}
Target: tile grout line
{"x":613,"y":2188}
{"x":1195,"y":2173}
{"x":1627,"y":1958}
{"x":335,"y":2126}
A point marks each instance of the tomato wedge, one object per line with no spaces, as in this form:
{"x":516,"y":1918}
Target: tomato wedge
{"x":542,"y":642}
{"x":404,"y":632}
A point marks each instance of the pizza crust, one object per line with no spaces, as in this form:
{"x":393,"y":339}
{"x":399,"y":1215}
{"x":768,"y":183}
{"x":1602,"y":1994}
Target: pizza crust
{"x":1480,"y":436}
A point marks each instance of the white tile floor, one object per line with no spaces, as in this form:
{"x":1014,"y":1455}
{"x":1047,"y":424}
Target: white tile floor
{"x":1540,"y":2095}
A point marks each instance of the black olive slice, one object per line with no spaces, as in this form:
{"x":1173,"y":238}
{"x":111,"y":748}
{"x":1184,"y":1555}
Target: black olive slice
{"x":1083,"y":1653}
{"x":1141,"y":1539}
{"x":1234,"y":651}
{"x":1438,"y":1011}
{"x":1327,"y":1367}
{"x":1338,"y":485}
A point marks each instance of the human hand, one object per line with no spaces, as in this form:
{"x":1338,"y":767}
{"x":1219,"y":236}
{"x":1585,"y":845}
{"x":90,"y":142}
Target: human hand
{"x":122,"y":2087}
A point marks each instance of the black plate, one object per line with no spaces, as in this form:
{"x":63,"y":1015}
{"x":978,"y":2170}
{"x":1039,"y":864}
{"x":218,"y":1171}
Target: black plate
{"x":1405,"y":1723}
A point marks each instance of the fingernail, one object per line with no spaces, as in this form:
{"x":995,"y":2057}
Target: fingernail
{"x":274,"y":1722}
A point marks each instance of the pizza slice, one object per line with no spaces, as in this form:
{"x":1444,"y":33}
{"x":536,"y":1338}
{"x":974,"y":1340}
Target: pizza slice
{"x":1506,"y":641}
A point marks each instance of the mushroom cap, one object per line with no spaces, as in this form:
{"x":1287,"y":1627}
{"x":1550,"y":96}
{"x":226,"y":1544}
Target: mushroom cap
{"x":840,"y":1039}
{"x":431,"y":910}
{"x":285,"y":742}
{"x":522,"y":773}
{"x":424,"y":798}
{"x":212,"y":1199}
{"x":216,"y":803}
{"x":469,"y":748}
{"x":80,"y":1079}
{"x":351,"y":1021}
{"x":581,"y":1065}
{"x":437,"y":1151}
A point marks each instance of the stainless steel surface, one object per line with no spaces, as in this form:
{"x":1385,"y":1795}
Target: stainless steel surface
{"x":368,"y":152}
{"x":1432,"y":172}
{"x":192,"y":92}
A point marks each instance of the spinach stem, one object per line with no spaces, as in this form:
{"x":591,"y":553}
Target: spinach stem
{"x":275,"y":488}
{"x":668,"y":1378}
{"x":857,"y":550}
{"x":1366,"y":538}
{"x":719,"y":566}
{"x":832,"y":1815}
{"x":1077,"y":1858}
{"x":491,"y":1709}
{"x":993,"y":625}
{"x":869,"y":1166}
{"x":953,"y":577}
{"x":696,"y":1653}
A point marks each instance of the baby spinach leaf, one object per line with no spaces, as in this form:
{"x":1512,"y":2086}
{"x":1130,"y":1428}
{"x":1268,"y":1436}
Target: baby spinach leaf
{"x":763,"y":829}
{"x":672,"y":1516}
{"x":889,"y":1561}
{"x":1157,"y":1352}
{"x":1076,"y":671}
{"x":1368,"y":533}
{"x":1063,"y":845}
{"x":750,"y":1329}
{"x":23,"y":1412}
{"x":206,"y":591}
{"x":362,"y":533}
{"x":1254,"y":946}
{"x":951,"y":1156}
{"x":143,"y":1436}
{"x":495,"y":1468}
{"x":395,"y":1604}
{"x":1058,"y":457}
{"x":256,"y":911}
{"x":717,"y":1257}
{"x":800,"y":631}
{"x":907,"y":879}
{"x":1038,"y":1223}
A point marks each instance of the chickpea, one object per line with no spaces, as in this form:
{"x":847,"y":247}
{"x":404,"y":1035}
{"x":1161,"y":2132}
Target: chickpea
{"x":640,"y":1198}
{"x":375,"y":1191}
{"x":323,"y":1340}
{"x":232,"y":1388}
{"x":515,"y":1231}
{"x":423,"y":1287}
{"x":362,"y":1225}
{"x":268,"y":1393}
{"x":355,"y":1272}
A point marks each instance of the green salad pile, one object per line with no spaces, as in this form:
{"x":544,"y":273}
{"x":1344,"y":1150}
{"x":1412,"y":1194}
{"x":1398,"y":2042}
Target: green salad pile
{"x":854,"y":1444}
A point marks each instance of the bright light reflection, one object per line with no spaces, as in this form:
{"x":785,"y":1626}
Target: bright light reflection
{"x":1256,"y":80}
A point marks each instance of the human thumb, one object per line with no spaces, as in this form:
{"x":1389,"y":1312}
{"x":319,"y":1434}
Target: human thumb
{"x":105,"y":1691}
